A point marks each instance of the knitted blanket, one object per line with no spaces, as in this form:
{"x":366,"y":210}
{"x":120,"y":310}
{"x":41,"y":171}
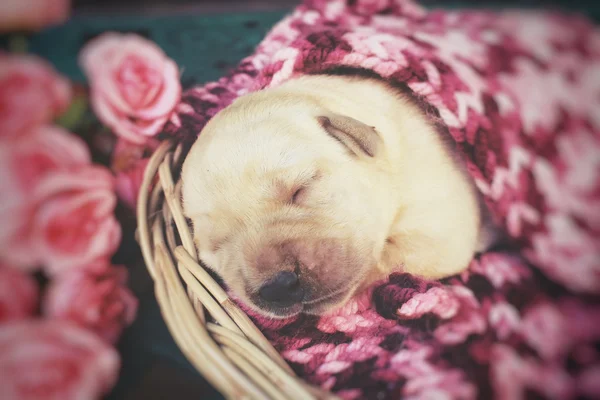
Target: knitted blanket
{"x":519,"y":93}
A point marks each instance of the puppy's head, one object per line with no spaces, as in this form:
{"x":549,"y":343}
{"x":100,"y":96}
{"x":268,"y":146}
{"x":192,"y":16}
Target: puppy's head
{"x":287,"y":202}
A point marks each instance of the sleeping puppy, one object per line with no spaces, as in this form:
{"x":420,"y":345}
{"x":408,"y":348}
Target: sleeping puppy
{"x":303,"y":194}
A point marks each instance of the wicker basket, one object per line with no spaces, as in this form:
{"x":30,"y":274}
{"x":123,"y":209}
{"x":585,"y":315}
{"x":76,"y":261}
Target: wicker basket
{"x":216,"y":336}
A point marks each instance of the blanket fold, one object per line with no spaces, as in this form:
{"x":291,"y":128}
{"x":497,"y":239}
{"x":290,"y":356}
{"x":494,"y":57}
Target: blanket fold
{"x":519,"y":93}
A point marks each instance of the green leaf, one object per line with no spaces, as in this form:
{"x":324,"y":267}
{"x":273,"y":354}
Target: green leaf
{"x":71,"y":118}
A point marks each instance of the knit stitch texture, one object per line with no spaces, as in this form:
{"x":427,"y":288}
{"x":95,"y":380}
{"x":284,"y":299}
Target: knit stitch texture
{"x":519,"y":93}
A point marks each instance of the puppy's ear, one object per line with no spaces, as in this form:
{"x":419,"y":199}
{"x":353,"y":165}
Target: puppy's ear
{"x":358,"y":137}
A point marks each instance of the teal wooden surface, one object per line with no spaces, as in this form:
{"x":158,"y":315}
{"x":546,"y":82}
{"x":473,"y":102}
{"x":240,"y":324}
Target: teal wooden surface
{"x":204,"y":46}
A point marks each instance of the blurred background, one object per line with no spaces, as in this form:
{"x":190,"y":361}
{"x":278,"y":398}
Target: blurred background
{"x":92,"y":6}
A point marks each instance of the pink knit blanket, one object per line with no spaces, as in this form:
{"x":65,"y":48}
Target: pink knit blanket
{"x":519,"y":92}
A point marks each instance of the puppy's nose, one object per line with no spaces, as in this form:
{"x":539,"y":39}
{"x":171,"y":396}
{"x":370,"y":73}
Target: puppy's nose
{"x":284,"y":289}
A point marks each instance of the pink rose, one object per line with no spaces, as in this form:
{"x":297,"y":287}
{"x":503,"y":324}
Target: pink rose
{"x":31,"y":93}
{"x":54,"y":360}
{"x":128,"y":183}
{"x":129,"y":164}
{"x":126,"y":154}
{"x":95,"y":298}
{"x":18,"y":294}
{"x":76,"y":225}
{"x":24,"y":163}
{"x":32,"y":14}
{"x":134,"y":85}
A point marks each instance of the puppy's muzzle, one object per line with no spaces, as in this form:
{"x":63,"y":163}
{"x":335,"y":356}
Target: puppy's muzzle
{"x":284,"y":290}
{"x":302,"y":275}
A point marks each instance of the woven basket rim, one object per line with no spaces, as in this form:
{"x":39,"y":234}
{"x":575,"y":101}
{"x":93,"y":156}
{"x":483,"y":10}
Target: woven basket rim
{"x":213,"y":333}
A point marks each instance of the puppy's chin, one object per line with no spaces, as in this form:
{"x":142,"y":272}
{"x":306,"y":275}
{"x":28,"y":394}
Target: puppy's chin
{"x":277,"y":312}
{"x":319,"y":306}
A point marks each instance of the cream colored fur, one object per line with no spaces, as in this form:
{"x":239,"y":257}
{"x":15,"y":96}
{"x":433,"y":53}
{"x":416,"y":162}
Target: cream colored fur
{"x":408,"y":209}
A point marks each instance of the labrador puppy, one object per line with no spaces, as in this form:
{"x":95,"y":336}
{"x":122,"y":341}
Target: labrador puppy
{"x":302,"y":195}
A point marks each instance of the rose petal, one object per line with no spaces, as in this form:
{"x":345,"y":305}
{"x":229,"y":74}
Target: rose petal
{"x":91,"y":178}
{"x":93,"y":298}
{"x":169,"y":97}
{"x":19,"y":15}
{"x":44,"y":359}
{"x":121,"y":125}
{"x":24,"y":163}
{"x":128,"y":183}
{"x":18,"y":294}
{"x":76,"y":225}
{"x":31,"y":94}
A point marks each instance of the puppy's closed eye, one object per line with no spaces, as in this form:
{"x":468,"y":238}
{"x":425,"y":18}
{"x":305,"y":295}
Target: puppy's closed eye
{"x":357,"y":137}
{"x":299,"y":195}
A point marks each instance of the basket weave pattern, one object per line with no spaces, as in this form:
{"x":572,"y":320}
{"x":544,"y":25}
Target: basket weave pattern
{"x":215,"y":335}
